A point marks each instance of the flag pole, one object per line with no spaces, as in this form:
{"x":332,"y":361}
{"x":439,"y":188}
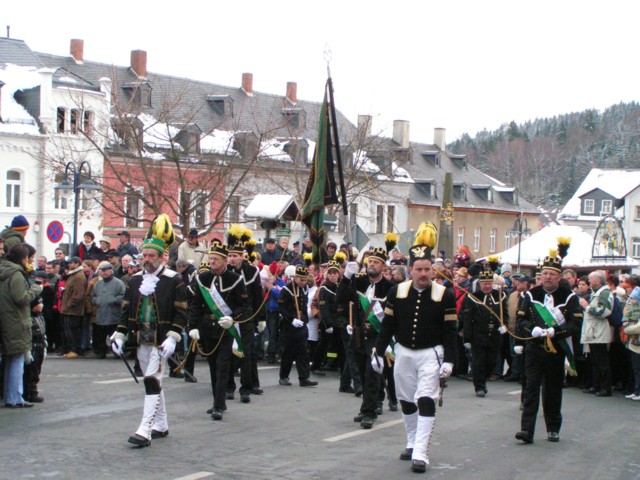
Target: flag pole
{"x":336,"y":139}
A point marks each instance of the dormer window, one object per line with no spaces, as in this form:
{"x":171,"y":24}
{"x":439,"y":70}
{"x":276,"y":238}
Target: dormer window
{"x":483,"y":191}
{"x":140,"y":93}
{"x":221,"y":104}
{"x":295,"y":117}
{"x":433,"y":157}
{"x":189,"y":138}
{"x":510,"y":194}
{"x":460,"y":191}
{"x":427,"y":187}
{"x":129,"y":132}
{"x":298,"y":150}
{"x":459,"y":161}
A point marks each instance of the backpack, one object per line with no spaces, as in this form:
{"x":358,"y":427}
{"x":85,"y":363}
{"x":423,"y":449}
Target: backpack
{"x":615,"y":318}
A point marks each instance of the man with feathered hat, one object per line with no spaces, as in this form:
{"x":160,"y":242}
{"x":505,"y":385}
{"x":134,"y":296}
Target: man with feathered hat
{"x":154,"y":313}
{"x":367,"y":292}
{"x":219,"y":299}
{"x":484,"y":315}
{"x":421,"y":315}
{"x":548,"y":314}
{"x":239,"y":240}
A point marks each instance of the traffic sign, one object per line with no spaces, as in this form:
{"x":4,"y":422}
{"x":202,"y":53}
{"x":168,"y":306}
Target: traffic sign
{"x":283,"y":232}
{"x":359,"y":237}
{"x":55,"y":230}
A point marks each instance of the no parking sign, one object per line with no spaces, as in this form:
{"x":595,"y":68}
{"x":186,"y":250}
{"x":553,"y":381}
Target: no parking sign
{"x":55,"y":230}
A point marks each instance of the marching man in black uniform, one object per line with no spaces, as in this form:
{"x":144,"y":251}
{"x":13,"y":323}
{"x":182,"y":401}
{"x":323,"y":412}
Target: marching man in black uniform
{"x":219,"y":300}
{"x":154,"y":313}
{"x":421,"y":315}
{"x":293,"y":310}
{"x":238,"y":240}
{"x":368,"y":292}
{"x":481,"y":314}
{"x":550,"y":314}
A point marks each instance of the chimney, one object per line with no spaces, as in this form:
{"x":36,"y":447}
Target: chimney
{"x":292,"y":92}
{"x":247,"y":83}
{"x":77,"y":50}
{"x":439,"y":138}
{"x":364,"y":127}
{"x":401,"y":133}
{"x":139,"y":63}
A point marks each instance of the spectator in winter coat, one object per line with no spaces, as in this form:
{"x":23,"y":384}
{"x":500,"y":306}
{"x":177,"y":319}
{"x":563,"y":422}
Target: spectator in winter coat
{"x":107,"y":295}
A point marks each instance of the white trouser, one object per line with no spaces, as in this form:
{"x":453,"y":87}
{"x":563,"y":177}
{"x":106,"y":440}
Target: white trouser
{"x":154,"y":414}
{"x":417,"y":373}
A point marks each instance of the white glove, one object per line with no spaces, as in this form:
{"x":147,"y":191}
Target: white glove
{"x":261,"y":326}
{"x":550,"y":332}
{"x":502,"y":330}
{"x":377,"y":363}
{"x":538,"y":332}
{"x":297,"y":323}
{"x":518,"y":349}
{"x":445,"y":370}
{"x":349,"y":329}
{"x":329,"y":330}
{"x":28,"y":358}
{"x":350,"y":269}
{"x":168,"y":347}
{"x":557,"y":314}
{"x":226,"y":322}
{"x":117,"y":342}
{"x":194,"y":334}
{"x":467,"y":346}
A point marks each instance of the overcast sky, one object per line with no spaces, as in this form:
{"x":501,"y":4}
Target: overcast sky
{"x":460,"y":65}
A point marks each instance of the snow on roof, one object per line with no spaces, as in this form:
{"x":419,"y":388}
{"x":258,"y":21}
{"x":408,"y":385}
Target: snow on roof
{"x":274,"y":150}
{"x":15,"y":119}
{"x":504,"y":189}
{"x":268,"y":206}
{"x":617,"y":183}
{"x":157,"y":134}
{"x":218,"y":141}
{"x":537,"y":246}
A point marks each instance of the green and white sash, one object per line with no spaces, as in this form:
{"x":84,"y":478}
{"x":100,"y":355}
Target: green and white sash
{"x":550,"y":321}
{"x":375,"y":313}
{"x":220,"y":309}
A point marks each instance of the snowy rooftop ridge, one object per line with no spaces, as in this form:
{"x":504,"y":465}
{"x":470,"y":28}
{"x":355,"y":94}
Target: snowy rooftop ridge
{"x":616,"y":182}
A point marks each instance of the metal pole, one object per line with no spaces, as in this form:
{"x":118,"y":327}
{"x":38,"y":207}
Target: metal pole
{"x":76,"y":195}
{"x":519,"y":240}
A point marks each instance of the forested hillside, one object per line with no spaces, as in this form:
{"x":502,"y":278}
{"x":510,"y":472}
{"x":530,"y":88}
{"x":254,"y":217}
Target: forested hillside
{"x":548,"y":158}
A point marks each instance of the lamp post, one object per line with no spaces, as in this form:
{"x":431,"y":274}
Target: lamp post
{"x":520,"y":228}
{"x":77,"y":183}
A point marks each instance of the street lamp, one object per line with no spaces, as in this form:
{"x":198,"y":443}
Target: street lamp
{"x":77,"y":183}
{"x":520,"y":228}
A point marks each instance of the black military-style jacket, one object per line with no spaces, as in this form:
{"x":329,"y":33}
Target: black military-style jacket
{"x":169,"y":300}
{"x":331,"y":312}
{"x":231,"y":287}
{"x":480,"y":316}
{"x":528,"y":318}
{"x":251,"y":277}
{"x":292,"y":303}
{"x":420,"y":320}
{"x":348,"y":292}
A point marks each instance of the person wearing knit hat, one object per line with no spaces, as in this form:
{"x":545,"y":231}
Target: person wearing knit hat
{"x":155,"y":310}
{"x":14,"y":233}
{"x":219,"y":301}
{"x":548,"y":314}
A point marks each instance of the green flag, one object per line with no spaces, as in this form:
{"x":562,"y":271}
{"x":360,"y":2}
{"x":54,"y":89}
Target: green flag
{"x":321,"y":186}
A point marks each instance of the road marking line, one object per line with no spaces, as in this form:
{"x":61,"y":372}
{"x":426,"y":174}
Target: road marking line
{"x":380,"y":426}
{"x":268,"y":368}
{"x":515,"y":392}
{"x":119,"y":380}
{"x":196,"y":476}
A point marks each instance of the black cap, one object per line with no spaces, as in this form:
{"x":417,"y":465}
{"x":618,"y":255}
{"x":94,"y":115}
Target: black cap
{"x":112,"y":253}
{"x":270,"y":240}
{"x":75,"y":260}
{"x":193,"y":233}
{"x":125,"y":233}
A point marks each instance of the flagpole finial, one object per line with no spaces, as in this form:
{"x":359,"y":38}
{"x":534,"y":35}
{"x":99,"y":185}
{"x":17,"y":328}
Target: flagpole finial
{"x":327,"y":57}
